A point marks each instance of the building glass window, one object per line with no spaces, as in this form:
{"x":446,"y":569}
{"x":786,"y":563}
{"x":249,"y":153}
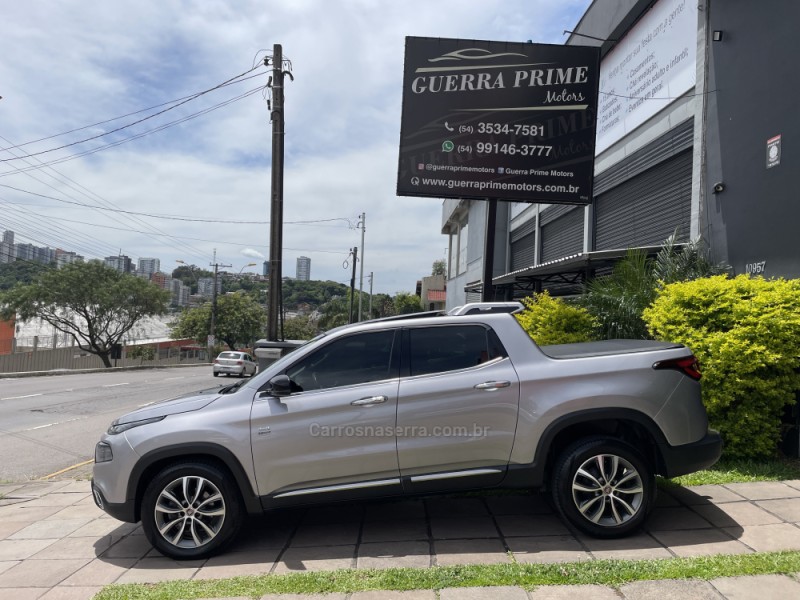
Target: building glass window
{"x":463,"y":236}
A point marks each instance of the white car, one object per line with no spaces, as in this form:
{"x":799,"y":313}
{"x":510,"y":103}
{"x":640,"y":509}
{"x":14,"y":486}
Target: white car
{"x":235,"y":363}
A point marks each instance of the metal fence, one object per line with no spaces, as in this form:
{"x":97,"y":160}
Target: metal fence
{"x":49,"y":353}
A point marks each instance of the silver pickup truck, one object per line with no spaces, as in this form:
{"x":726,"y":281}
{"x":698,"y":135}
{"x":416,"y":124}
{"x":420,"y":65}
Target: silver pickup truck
{"x":413,"y":405}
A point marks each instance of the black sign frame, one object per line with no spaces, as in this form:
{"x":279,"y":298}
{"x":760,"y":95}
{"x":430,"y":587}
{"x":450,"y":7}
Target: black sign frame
{"x":498,"y":120}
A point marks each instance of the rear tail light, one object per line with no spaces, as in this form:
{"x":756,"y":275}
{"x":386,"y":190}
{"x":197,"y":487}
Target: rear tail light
{"x":239,"y":362}
{"x":216,"y":362}
{"x":686,"y":365}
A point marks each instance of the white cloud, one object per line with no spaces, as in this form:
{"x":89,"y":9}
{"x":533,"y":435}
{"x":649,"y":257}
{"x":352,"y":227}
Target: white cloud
{"x":72,"y":63}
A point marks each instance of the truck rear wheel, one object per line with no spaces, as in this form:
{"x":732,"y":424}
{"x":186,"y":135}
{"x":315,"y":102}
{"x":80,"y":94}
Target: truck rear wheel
{"x":603,"y":487}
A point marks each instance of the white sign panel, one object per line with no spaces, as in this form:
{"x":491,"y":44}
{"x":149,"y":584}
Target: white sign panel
{"x":650,"y":67}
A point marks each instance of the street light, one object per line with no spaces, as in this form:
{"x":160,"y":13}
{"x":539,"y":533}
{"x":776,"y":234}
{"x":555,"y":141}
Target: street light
{"x":247,"y":265}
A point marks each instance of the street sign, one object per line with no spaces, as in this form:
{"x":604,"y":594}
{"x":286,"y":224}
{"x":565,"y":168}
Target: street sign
{"x":499,"y":120}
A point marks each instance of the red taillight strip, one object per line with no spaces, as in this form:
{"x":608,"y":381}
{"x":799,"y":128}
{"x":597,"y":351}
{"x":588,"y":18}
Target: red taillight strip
{"x":686,"y":365}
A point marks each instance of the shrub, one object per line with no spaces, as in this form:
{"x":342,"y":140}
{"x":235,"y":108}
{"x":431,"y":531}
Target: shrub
{"x":552,"y":321}
{"x":746,"y":334}
{"x":143,"y":353}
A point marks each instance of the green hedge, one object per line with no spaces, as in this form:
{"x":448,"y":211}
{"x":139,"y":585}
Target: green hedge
{"x":746,"y":334}
{"x":552,"y":321}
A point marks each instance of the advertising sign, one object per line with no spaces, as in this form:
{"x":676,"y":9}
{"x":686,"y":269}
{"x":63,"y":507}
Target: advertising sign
{"x":499,"y":120}
{"x":773,"y":151}
{"x":651,"y":67}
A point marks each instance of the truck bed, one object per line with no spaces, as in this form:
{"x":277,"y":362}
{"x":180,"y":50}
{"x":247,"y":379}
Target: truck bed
{"x":605,"y":348}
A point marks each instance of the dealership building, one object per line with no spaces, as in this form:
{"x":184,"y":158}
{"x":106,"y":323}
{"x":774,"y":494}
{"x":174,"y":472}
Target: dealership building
{"x":696,"y":99}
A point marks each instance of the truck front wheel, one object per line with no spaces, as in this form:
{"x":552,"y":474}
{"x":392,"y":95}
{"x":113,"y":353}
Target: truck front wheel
{"x":603,"y":487}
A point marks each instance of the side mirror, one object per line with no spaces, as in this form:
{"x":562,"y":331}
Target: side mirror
{"x":281,"y":385}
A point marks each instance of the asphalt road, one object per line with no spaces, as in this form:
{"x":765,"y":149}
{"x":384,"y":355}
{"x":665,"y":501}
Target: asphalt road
{"x":48,"y":424}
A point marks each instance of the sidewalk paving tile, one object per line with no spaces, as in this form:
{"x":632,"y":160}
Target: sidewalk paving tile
{"x":30,"y":593}
{"x":757,"y":587}
{"x":394,"y":595}
{"x":73,"y":593}
{"x":669,"y":589}
{"x":22,"y":549}
{"x":534,"y":504}
{"x":44,"y":530}
{"x":324,"y":558}
{"x":786,"y":509}
{"x":297,"y":597}
{"x":795,"y":483}
{"x":155,"y":570}
{"x":75,"y":548}
{"x":5,"y":565}
{"x":385,"y":555}
{"x":23,"y":512}
{"x":470,"y":552}
{"x":703,"y":494}
{"x":456,"y":507}
{"x":337,"y":513}
{"x":78,"y":511}
{"x":636,"y":547}
{"x":394,"y":531}
{"x":81,"y":487}
{"x":40,"y":573}
{"x":530,"y":525}
{"x":571,"y":592}
{"x":389,"y":510}
{"x":732,"y":514}
{"x":8,"y":528}
{"x":9,"y":488}
{"x":335,"y":534}
{"x":771,"y":538}
{"x":57,"y":499}
{"x":235,"y":564}
{"x":764,"y":490}
{"x":101,"y":571}
{"x":481,"y":593}
{"x":700,"y":542}
{"x":133,"y":546}
{"x":547,"y":549}
{"x":669,"y":519}
{"x":463,"y":527}
{"x":103,"y":526}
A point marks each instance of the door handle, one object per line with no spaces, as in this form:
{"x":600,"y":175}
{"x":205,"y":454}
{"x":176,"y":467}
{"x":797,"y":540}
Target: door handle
{"x":369,"y":401}
{"x":493,"y":385}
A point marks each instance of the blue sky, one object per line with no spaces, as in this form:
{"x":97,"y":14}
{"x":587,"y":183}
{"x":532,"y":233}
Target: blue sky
{"x":68,"y":64}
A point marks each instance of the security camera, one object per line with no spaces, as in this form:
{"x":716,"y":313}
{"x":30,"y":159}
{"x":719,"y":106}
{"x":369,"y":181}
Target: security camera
{"x":719,"y":187}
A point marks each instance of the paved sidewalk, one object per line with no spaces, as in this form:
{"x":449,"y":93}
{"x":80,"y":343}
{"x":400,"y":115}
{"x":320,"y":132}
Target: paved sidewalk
{"x":55,"y":544}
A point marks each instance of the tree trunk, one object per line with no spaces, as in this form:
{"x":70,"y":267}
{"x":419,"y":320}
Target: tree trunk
{"x":104,"y":356}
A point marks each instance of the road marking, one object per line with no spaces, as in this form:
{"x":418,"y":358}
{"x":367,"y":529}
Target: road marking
{"x":51,"y":424}
{"x":173,"y":378}
{"x":145,"y":404}
{"x":116,"y":384}
{"x":82,"y":464}
{"x":18,"y":397}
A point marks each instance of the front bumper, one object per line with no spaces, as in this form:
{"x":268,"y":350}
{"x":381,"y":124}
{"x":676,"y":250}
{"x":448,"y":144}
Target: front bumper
{"x":125,"y":511}
{"x":688,"y":458}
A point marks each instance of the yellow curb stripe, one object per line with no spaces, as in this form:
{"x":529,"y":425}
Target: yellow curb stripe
{"x":84,"y":463}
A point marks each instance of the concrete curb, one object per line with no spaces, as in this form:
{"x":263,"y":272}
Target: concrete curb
{"x":57,"y":372}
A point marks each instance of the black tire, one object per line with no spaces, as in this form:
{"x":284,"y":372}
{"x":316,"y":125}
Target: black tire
{"x":603,"y":487}
{"x":189,"y":533}
{"x":216,"y":374}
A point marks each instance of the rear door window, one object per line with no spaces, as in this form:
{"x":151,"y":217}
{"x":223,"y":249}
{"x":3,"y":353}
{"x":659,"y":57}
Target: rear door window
{"x":452,"y":347}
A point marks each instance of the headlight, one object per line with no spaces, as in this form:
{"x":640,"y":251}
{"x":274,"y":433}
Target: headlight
{"x":117,"y":427}
{"x":103,"y":453}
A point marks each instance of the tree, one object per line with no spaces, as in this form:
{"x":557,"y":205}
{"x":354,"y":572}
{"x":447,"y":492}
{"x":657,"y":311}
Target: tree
{"x":299,"y":328}
{"x":553,"y":321}
{"x":20,"y":271}
{"x":439,"y":267}
{"x":240,"y":320}
{"x":92,"y":303}
{"x":405,"y":303}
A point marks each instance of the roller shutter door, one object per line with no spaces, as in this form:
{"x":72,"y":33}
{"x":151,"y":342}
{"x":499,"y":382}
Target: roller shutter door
{"x":647,"y":209}
{"x":523,"y":246}
{"x":563,"y":236}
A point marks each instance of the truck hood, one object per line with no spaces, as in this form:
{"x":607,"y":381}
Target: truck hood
{"x":172,"y":407}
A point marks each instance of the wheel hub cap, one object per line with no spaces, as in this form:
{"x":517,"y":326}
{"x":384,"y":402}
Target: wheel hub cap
{"x":190,"y":512}
{"x":607,"y":490}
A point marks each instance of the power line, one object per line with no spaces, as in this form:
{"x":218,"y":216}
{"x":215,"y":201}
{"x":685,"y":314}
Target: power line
{"x":100,"y":135}
{"x":174,"y":217}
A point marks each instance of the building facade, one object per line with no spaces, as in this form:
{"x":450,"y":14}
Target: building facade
{"x":303,"y":272}
{"x":696,"y":100}
{"x":146,"y":267}
{"x":121,"y":263}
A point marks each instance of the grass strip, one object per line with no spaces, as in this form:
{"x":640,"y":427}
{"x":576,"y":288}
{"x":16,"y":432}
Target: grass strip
{"x":599,"y":572}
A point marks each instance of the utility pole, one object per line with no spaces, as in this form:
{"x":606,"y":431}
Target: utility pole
{"x":276,"y":206}
{"x":212,"y":327}
{"x":353,"y":283}
{"x":370,"y":294}
{"x":363,"y":225}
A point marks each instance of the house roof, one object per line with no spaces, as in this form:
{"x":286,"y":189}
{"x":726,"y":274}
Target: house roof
{"x":437,"y":295}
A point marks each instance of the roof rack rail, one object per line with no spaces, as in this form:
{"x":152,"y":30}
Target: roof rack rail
{"x":474,"y":308}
